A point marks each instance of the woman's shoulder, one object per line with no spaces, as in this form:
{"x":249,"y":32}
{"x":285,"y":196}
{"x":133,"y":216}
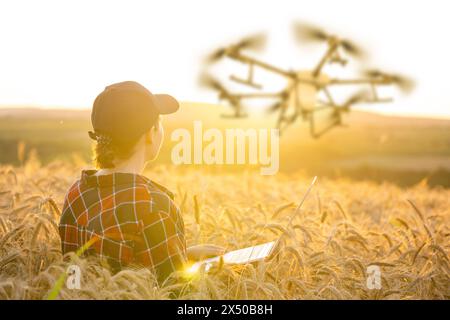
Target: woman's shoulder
{"x":158,"y":188}
{"x":73,"y":190}
{"x":161,"y":197}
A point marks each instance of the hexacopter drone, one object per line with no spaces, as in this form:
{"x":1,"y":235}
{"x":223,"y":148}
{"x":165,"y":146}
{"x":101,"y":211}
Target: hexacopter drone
{"x":302,"y":94}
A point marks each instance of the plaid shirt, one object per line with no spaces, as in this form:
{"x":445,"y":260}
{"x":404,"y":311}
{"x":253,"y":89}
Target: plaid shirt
{"x":127,"y":219}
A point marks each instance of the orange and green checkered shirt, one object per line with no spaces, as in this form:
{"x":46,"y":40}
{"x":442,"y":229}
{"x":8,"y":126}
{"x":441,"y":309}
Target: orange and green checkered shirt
{"x":133,"y":220}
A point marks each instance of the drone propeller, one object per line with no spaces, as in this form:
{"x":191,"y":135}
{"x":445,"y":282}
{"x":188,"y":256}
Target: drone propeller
{"x":216,"y":55}
{"x":307,"y":32}
{"x":352,"y":49}
{"x":358,"y":97}
{"x":255,"y":42}
{"x":373,"y":73}
{"x":210,"y":82}
{"x":207,"y":81}
{"x":404,"y":83}
{"x":274,"y":107}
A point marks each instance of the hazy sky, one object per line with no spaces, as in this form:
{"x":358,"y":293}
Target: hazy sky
{"x":62,"y":53}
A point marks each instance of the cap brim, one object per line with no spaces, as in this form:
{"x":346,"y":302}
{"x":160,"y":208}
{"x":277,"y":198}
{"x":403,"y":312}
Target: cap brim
{"x":166,"y":103}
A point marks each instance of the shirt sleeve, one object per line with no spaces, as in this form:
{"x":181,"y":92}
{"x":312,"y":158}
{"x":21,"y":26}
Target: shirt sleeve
{"x":67,"y":228}
{"x":163,"y":247}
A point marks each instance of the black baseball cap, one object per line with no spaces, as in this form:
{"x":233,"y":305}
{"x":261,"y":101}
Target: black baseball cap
{"x":126,"y":110}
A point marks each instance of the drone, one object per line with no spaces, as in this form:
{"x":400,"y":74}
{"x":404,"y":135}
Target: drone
{"x":307,"y":92}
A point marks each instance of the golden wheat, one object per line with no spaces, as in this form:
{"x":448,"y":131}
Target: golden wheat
{"x":324,"y":251}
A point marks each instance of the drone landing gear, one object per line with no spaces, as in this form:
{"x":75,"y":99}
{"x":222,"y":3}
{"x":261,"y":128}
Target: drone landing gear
{"x":249,"y":81}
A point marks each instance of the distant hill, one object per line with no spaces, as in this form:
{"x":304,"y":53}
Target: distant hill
{"x":374,"y":146}
{"x":29,"y":112}
{"x":194,"y":110}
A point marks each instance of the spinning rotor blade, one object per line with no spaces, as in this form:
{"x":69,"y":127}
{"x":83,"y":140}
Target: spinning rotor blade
{"x":404,"y":83}
{"x":358,"y":97}
{"x":373,"y":73}
{"x":216,"y":55}
{"x":275,"y":107}
{"x":255,"y":42}
{"x":210,"y":82}
{"x":352,"y":49}
{"x":306,"y":32}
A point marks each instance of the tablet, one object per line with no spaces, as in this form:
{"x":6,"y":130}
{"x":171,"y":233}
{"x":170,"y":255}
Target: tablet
{"x":241,"y":256}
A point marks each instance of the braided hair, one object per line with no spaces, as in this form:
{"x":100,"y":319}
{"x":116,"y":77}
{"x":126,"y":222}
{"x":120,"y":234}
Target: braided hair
{"x":106,"y":150}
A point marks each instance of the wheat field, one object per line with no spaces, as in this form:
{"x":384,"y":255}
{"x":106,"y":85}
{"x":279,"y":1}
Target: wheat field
{"x":342,"y":228}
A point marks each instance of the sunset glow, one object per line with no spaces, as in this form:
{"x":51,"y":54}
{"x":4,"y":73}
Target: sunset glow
{"x":60,"y":55}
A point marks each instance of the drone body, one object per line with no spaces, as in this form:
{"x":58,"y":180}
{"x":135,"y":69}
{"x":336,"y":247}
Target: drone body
{"x":300,"y":98}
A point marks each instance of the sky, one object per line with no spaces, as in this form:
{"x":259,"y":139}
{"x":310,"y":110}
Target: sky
{"x":63,"y":53}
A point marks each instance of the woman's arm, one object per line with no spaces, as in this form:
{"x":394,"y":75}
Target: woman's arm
{"x":203,"y":251}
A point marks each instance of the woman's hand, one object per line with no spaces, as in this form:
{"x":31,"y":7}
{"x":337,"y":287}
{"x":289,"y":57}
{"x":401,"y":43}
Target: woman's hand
{"x":203,"y":251}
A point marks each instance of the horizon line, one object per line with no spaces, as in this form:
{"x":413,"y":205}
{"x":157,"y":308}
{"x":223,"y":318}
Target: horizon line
{"x":73,"y":108}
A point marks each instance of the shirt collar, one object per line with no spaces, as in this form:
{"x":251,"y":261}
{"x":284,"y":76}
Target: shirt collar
{"x":89,"y":179}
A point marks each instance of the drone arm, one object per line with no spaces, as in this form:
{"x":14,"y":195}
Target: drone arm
{"x":258,"y":95}
{"x":246,"y":59}
{"x":249,"y":81}
{"x":373,"y":85}
{"x":336,"y":81}
{"x":327,"y":56}
{"x":329,"y":96}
